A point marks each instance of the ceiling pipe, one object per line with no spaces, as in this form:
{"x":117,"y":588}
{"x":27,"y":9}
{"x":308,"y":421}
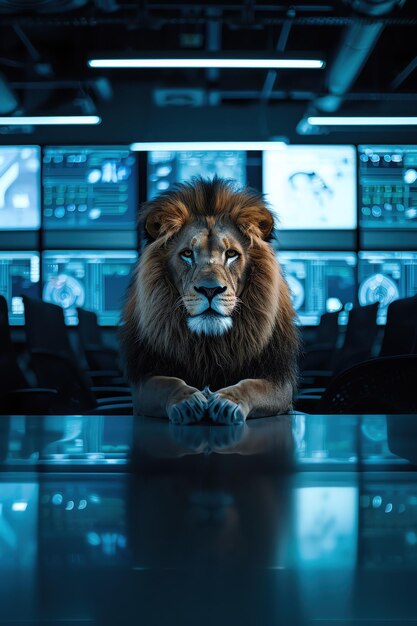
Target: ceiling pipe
{"x":358,"y":41}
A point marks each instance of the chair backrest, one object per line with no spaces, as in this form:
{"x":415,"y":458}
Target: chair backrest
{"x":328,"y":329}
{"x":11,"y":376}
{"x":52,"y":357}
{"x":383,"y":385}
{"x":45,"y":327}
{"x":361,"y":333}
{"x":88,"y":328}
{"x":400,"y":333}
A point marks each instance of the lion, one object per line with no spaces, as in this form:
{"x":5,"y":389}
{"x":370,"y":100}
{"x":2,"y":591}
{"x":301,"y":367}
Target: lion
{"x":208,"y":325}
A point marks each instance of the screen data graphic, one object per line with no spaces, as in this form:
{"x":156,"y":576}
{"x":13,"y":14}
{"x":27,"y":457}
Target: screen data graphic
{"x":89,"y":279}
{"x":385,"y":277}
{"x":89,"y":188}
{"x":311,"y":187}
{"x":388,"y":187}
{"x":320,"y":282}
{"x":19,"y":187}
{"x":19,"y":275}
{"x":166,"y":168}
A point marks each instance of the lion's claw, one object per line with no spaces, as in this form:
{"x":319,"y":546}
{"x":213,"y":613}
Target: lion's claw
{"x":224,"y":411}
{"x":189,"y":410}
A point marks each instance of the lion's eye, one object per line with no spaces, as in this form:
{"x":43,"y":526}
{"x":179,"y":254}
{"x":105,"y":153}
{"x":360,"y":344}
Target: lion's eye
{"x":231,"y":254}
{"x":186,"y":254}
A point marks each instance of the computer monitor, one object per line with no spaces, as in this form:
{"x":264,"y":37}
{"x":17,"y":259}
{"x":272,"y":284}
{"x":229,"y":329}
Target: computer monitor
{"x":168,"y":167}
{"x":89,"y":188}
{"x":385,"y":277}
{"x":19,"y":275}
{"x":94,"y":280}
{"x":19,"y":188}
{"x":320,"y":282}
{"x":388,"y":195}
{"x":312,"y":187}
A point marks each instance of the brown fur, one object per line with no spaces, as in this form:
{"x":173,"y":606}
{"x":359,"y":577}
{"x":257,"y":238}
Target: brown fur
{"x":263,"y":342}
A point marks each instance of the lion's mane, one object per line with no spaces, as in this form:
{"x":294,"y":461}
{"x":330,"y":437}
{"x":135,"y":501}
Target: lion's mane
{"x":263,"y":342}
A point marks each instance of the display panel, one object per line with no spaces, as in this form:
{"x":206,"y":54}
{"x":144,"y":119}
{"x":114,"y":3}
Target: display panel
{"x":319,"y":282}
{"x":166,"y":168}
{"x":312,"y":187}
{"x":19,"y":275}
{"x":385,"y":277}
{"x":89,"y":188}
{"x":94,"y":280}
{"x":19,"y":187}
{"x":388,"y":187}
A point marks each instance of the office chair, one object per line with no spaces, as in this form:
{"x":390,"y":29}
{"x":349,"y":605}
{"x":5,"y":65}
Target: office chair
{"x":383,"y":385}
{"x":400,"y":333}
{"x":100,"y":358}
{"x":320,"y":353}
{"x":16,"y":395}
{"x":55,"y":364}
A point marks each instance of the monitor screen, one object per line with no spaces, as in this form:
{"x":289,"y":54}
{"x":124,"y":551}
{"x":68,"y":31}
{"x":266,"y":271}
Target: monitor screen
{"x":388,"y":187}
{"x":386,"y":276}
{"x":311,"y":187}
{"x":319,"y":282}
{"x":89,"y":188}
{"x":166,"y":168}
{"x":19,"y":187}
{"x":92,"y":280}
{"x":19,"y":275}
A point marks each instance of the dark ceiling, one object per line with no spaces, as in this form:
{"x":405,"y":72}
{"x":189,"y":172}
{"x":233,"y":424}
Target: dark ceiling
{"x":44,"y":46}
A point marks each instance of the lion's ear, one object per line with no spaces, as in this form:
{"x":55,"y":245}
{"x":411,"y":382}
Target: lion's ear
{"x":255,"y":221}
{"x":165,"y":220}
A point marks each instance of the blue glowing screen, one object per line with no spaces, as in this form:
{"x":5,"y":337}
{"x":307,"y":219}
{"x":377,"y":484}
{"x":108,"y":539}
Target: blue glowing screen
{"x":92,"y":280}
{"x":19,"y":275}
{"x":385,"y":277}
{"x":319,"y":282}
{"x":388,"y":187}
{"x":89,"y":188}
{"x":19,"y":187}
{"x":166,"y":168}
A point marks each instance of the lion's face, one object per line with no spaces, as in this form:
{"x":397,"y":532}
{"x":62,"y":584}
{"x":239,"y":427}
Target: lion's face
{"x":208,"y":264}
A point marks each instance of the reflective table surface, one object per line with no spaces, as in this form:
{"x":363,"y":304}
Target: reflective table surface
{"x":288,"y":520}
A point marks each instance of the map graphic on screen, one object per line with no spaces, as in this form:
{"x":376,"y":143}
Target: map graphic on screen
{"x":166,"y":168}
{"x":388,"y":187}
{"x":319,"y":282}
{"x":89,"y":188}
{"x":311,"y":187}
{"x":19,"y":187}
{"x":19,"y":275}
{"x":385,"y":277}
{"x":92,"y":280}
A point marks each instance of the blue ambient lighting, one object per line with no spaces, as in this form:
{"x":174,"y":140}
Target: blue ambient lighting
{"x":206,"y":145}
{"x":49,"y":120}
{"x":361,"y":121}
{"x":209,"y":63}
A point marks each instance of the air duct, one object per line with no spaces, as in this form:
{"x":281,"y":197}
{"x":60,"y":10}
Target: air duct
{"x":357,"y":43}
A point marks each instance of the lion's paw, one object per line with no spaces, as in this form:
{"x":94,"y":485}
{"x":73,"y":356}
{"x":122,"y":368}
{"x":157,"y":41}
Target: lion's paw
{"x":224,"y":411}
{"x":191,"y":409}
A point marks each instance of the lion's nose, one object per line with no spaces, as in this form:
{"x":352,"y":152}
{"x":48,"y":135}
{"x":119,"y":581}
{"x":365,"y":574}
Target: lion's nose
{"x":210,"y":292}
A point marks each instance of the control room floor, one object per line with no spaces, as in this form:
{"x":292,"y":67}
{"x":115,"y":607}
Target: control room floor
{"x":287,"y":520}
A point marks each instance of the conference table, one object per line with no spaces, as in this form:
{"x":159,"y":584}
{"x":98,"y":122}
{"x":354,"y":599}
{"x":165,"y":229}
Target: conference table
{"x":293,"y":519}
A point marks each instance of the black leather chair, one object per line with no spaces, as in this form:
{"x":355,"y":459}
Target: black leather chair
{"x":55,"y":363}
{"x":16,"y":395}
{"x":101,"y":359}
{"x":400,"y":335}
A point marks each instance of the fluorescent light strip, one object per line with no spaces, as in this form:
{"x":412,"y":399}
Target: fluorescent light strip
{"x":209,"y":63}
{"x":206,"y":145}
{"x":362,"y":121}
{"x":50,"y":120}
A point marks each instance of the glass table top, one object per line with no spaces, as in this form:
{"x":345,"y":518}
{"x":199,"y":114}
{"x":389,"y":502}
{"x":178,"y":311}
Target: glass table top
{"x":289,"y":520}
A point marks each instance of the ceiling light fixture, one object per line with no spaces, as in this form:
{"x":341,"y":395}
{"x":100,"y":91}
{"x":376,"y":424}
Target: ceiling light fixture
{"x":174,"y":146}
{"x":209,"y":62}
{"x":49,"y":120}
{"x":362,"y":121}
